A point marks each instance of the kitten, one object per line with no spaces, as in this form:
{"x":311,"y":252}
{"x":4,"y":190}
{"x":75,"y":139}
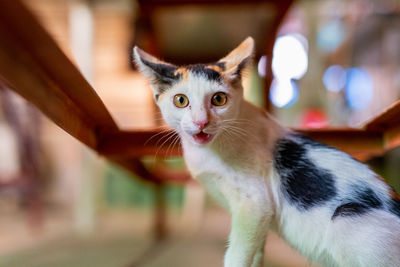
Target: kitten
{"x":330,"y":207}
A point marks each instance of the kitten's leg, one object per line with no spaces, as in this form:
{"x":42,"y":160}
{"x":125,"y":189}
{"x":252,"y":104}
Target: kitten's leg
{"x":248,"y":233}
{"x":258,"y":260}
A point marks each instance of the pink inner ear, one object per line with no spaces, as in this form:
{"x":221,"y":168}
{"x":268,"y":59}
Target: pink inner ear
{"x":239,"y":54}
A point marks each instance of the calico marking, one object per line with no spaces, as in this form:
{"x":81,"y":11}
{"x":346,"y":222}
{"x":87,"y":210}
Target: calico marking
{"x":183,"y":72}
{"x":204,"y":70}
{"x":219,"y":64}
{"x":363,"y":201}
{"x":303,"y":183}
{"x":164,"y":73}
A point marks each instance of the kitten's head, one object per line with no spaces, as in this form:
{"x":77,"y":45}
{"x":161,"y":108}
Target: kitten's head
{"x":199,"y":101}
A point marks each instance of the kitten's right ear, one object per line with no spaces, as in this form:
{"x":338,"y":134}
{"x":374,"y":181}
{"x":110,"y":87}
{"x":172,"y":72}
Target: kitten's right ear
{"x":160,"y":73}
{"x":238,"y":59}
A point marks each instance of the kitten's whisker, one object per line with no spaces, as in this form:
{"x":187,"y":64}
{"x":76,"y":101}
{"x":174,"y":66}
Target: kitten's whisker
{"x":175,"y":141}
{"x":241,"y":130}
{"x":167,"y":135}
{"x":171,"y":145}
{"x":232,"y":132}
{"x":165,"y":141}
{"x":237,"y":130}
{"x":157,"y":134}
{"x":239,"y":121}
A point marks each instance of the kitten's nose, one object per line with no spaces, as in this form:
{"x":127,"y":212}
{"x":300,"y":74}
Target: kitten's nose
{"x":202,"y":124}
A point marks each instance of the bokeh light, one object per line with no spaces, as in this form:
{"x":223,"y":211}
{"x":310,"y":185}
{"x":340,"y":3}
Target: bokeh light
{"x":334,"y":78}
{"x":289,"y":63}
{"x":359,"y":88}
{"x":262,"y":66}
{"x":331,"y":35}
{"x":290,"y":59}
{"x":314,"y":118}
{"x":284,"y":93}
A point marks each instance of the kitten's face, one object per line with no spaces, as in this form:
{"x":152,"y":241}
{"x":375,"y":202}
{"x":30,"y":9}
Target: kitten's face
{"x":199,"y":101}
{"x":199,"y":108}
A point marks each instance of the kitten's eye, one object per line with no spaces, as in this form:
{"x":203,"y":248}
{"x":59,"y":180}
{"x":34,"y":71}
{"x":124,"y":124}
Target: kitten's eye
{"x":219,"y":99}
{"x":181,"y":101}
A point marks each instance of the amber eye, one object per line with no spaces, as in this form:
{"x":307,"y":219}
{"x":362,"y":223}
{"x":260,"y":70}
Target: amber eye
{"x":181,"y":101}
{"x":219,"y":99}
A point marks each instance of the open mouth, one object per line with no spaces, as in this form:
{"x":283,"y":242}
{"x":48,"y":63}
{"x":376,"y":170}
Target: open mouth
{"x":202,"y":137}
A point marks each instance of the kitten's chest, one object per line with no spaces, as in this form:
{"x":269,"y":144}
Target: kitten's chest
{"x":212,"y":173}
{"x":199,"y":161}
{"x":228,"y":184}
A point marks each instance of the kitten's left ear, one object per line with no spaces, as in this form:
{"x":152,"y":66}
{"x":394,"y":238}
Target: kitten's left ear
{"x":158,"y":71}
{"x":238,"y":59}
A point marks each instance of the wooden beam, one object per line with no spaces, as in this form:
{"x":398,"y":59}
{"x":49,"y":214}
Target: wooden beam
{"x":33,"y":65}
{"x":390,"y":118}
{"x":25,"y":36}
{"x":359,"y":143}
{"x":20,"y":73}
{"x":139,"y":143}
{"x":388,"y":122}
{"x":356,"y":142}
{"x":391,"y":138}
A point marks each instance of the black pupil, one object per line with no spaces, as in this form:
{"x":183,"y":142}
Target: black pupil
{"x":181,"y":99}
{"x":218,"y":98}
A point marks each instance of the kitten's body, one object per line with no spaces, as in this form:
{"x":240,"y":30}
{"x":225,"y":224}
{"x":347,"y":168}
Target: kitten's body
{"x":330,"y":207}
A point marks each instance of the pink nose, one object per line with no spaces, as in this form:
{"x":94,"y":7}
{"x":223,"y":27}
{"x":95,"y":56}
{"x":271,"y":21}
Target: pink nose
{"x":201,"y":124}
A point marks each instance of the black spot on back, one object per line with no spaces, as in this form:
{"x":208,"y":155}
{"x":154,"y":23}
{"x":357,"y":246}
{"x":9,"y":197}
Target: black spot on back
{"x":302,"y":182}
{"x":395,"y":207}
{"x":201,"y":69}
{"x":362,"y":202}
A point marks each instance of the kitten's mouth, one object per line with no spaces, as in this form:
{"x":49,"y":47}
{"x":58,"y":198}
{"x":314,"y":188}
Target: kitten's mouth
{"x":202,"y":138}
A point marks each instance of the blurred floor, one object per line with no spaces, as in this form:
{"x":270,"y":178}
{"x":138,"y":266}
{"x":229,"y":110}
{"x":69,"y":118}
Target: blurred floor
{"x":122,"y":239}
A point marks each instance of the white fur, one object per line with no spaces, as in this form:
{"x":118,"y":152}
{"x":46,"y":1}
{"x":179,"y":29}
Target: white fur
{"x":236,"y":168}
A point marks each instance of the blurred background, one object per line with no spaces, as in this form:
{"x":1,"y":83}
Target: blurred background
{"x":333,"y":63}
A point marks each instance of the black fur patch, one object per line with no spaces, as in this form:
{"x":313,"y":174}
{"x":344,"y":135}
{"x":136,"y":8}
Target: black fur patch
{"x":241,"y":66}
{"x":165,"y":74}
{"x":303,"y":184}
{"x":395,"y":207}
{"x":201,"y":69}
{"x":362,"y":202}
{"x":219,"y":64}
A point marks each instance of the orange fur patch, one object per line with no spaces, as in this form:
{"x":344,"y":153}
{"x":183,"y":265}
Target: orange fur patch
{"x":182,"y":71}
{"x":394,"y":195}
{"x":216,"y":68}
